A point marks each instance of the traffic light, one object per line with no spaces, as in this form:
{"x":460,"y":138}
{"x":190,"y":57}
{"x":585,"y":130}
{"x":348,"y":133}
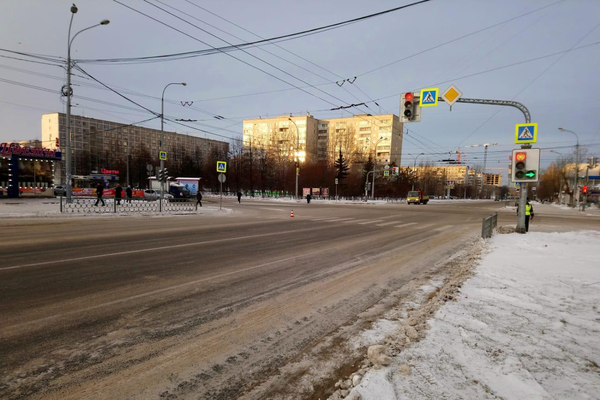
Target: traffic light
{"x":584,"y":189}
{"x":525,"y":165}
{"x":165,"y":175}
{"x":160,"y":175}
{"x":410,"y":107}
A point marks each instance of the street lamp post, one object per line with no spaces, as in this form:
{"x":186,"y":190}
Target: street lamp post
{"x":68,"y":91}
{"x":576,"y":162}
{"x":297,"y":157}
{"x":162,"y":134}
{"x":415,"y":167}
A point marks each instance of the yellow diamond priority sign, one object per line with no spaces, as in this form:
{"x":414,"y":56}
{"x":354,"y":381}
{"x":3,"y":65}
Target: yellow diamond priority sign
{"x":451,"y":95}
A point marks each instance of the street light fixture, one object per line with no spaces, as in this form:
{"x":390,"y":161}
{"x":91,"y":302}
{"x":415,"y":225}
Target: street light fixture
{"x":68,"y":92}
{"x":415,"y":166}
{"x":297,"y":155}
{"x":162,"y":134}
{"x":576,"y":161}
{"x":375,"y":164}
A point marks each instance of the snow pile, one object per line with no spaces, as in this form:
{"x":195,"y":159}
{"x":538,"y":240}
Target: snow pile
{"x":526,"y":326}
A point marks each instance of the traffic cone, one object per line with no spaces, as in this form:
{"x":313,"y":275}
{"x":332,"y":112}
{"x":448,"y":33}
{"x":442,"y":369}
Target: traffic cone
{"x":292,"y":214}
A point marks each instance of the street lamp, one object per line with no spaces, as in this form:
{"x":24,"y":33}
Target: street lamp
{"x":297,"y":151}
{"x":162,"y":133}
{"x":68,"y":91}
{"x":576,"y":161}
{"x":415,"y":166}
{"x":375,"y":165}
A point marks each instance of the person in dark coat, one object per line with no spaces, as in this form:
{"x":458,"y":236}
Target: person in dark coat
{"x":118,"y":194}
{"x":308,"y":197}
{"x":239,"y":195}
{"x":129,"y":193}
{"x":199,"y":198}
{"x":99,"y":192}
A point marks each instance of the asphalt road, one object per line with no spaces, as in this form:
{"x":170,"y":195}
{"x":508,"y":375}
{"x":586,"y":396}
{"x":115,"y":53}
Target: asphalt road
{"x":199,"y":306}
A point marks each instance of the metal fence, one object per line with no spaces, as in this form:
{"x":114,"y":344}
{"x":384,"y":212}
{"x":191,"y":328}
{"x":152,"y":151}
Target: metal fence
{"x":488,"y":225}
{"x":92,"y":206}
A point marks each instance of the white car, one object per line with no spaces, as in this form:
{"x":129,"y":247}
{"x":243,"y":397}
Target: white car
{"x":154,"y":194}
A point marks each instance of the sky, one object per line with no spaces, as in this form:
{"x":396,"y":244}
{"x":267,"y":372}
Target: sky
{"x":554,"y":44}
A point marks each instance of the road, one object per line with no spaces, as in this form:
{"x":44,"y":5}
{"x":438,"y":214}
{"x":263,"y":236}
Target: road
{"x":191,"y":307}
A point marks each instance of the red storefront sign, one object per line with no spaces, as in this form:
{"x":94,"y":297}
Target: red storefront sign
{"x":8,"y":149}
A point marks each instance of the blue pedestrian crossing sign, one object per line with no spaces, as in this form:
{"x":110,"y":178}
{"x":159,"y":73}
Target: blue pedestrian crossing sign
{"x":162,"y":155}
{"x":221,"y":166}
{"x":526,"y":133}
{"x":429,"y":97}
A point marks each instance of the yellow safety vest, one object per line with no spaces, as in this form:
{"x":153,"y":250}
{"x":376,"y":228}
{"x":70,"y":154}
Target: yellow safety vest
{"x":528,"y":209}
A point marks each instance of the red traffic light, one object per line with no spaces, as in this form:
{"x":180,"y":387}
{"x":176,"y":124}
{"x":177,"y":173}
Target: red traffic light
{"x":521,"y":156}
{"x":408,"y":96}
{"x":584,"y":189}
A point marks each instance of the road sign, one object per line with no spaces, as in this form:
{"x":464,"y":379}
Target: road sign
{"x":162,"y":155}
{"x":526,"y":133}
{"x":386,"y":172}
{"x":221,"y":166}
{"x":222,"y":178}
{"x":395,"y":171}
{"x":429,"y":97}
{"x":336,"y":181}
{"x":386,"y":167}
{"x":451,"y":95}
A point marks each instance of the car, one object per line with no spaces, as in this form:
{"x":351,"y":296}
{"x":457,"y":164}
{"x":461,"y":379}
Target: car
{"x":60,"y":190}
{"x":154,"y":194}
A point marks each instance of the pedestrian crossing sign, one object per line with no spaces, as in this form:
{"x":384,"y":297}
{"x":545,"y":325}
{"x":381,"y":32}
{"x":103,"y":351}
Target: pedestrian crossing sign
{"x":221,"y":166}
{"x":526,"y":133}
{"x":429,"y":97}
{"x":386,"y":173}
{"x":162,"y":155}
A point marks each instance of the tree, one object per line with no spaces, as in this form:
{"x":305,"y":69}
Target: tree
{"x":341,"y":167}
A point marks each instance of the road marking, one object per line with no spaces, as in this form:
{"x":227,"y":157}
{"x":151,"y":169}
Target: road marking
{"x":272,"y":209}
{"x":403,"y":225}
{"x":337,"y":219}
{"x":370,"y":222}
{"x":389,"y":223}
{"x":425,"y":226}
{"x":174,"y":246}
{"x":353,"y":220}
{"x":443,"y":228}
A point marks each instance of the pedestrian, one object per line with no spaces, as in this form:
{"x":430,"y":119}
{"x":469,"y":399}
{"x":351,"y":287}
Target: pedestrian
{"x":199,"y":197}
{"x":308,"y":197}
{"x":129,"y":193}
{"x":239,"y":195}
{"x":99,"y":192}
{"x":118,"y":194}
{"x":528,"y":215}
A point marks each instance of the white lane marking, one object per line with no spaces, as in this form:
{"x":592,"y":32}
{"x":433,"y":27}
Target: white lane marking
{"x":337,"y":219}
{"x":389,"y":223}
{"x":403,"y":225}
{"x":425,"y":226}
{"x":174,"y":246}
{"x":353,"y":220}
{"x":323,"y":218}
{"x":443,"y":228}
{"x":273,"y":209}
{"x":370,"y":222}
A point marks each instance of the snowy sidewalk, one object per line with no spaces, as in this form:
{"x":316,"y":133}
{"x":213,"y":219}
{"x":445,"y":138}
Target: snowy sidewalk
{"x":525,"y":326}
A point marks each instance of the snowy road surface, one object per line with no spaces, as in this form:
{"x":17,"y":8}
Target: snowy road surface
{"x":526,"y":326}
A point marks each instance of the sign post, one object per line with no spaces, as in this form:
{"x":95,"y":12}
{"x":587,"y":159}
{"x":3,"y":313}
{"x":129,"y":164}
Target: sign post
{"x":336,"y":187}
{"x":222,"y":178}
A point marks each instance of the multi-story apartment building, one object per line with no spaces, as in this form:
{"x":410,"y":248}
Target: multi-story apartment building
{"x":458,"y":173}
{"x":96,"y":144}
{"x":358,"y":137}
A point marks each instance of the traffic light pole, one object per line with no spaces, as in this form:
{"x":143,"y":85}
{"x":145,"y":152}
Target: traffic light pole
{"x":527,"y":115}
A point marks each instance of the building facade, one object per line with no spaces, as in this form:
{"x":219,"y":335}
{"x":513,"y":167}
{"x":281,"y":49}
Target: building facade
{"x":99,"y":144}
{"x":358,"y":138}
{"x":458,"y":174}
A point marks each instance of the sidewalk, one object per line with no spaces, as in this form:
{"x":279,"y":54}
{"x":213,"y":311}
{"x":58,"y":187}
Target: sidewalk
{"x":525,"y":326}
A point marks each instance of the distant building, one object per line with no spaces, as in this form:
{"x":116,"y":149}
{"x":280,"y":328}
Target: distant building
{"x":458,"y":173}
{"x":97,"y":144}
{"x":322,"y":139}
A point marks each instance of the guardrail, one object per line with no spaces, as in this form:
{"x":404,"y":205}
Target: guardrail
{"x":92,"y":206}
{"x":488,"y":225}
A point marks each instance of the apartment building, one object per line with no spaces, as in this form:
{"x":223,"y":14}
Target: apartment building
{"x":458,"y":173}
{"x":96,"y":144}
{"x":358,"y":137}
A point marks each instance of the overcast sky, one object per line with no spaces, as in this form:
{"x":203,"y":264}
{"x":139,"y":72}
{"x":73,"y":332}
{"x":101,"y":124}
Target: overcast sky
{"x":560,"y":90}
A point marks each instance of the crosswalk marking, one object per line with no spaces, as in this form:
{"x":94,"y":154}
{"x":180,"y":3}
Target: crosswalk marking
{"x":389,"y":223}
{"x":338,"y":219}
{"x":425,"y":226}
{"x":443,"y":228}
{"x":403,"y":225}
{"x":353,"y":220}
{"x":370,"y":222}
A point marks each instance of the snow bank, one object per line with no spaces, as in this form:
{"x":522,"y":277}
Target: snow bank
{"x":526,"y":326}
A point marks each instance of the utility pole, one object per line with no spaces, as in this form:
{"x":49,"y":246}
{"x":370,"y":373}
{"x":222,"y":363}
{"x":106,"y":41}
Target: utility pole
{"x":415,"y":167}
{"x":297,"y":155}
{"x":162,"y":136}
{"x":576,"y":188}
{"x":67,"y":91}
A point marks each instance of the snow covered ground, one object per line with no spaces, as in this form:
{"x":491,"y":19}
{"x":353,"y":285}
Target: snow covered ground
{"x":525,"y":326}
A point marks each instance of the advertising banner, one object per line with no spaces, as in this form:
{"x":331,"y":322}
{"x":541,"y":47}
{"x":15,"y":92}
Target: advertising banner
{"x":305,"y":192}
{"x":325,"y":192}
{"x":316,"y":191}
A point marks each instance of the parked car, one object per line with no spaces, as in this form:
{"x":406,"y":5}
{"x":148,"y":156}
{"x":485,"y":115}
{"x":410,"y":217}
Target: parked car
{"x":154,"y":194}
{"x":60,"y":190}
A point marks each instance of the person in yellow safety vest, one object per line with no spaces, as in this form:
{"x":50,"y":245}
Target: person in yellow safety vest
{"x":528,"y":215}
